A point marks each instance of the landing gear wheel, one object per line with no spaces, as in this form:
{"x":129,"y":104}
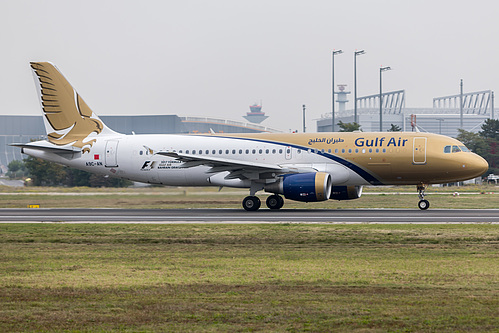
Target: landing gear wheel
{"x":423,"y":204}
{"x":275,"y":202}
{"x":251,"y":203}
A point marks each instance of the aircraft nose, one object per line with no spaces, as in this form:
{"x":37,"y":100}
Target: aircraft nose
{"x":477,"y":165}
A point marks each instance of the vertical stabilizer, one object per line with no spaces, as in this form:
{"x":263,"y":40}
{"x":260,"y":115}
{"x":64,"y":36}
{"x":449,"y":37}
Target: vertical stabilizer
{"x":68,"y":119}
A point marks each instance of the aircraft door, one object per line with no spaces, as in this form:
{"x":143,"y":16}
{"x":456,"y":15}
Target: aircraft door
{"x":419,"y":151}
{"x":112,"y":153}
{"x":288,"y":151}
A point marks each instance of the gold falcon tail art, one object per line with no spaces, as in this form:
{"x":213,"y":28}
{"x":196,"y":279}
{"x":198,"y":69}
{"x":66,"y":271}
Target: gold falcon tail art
{"x":68,"y":119}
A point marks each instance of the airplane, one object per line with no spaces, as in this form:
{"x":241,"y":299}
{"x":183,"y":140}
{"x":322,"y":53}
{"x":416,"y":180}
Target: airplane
{"x":305,"y":167}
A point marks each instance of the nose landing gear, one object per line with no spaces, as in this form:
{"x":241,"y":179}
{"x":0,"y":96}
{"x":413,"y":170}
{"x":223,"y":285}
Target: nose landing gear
{"x":422,"y":204}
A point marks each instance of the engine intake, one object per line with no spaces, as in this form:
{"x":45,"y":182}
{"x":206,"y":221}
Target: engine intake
{"x":307,"y":187}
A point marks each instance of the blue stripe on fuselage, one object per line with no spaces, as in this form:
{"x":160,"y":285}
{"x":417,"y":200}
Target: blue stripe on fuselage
{"x":355,"y":168}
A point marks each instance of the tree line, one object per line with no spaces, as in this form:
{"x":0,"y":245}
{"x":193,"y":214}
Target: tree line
{"x":44,"y":173}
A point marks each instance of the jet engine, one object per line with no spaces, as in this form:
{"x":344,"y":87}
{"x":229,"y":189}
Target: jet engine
{"x":346,"y":192}
{"x":307,"y":187}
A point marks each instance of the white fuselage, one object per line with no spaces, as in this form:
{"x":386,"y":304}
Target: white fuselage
{"x":133,"y":157}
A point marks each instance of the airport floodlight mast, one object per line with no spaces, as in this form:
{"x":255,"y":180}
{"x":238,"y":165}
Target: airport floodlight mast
{"x":381,"y":70}
{"x":356,"y":53}
{"x":304,"y":128}
{"x":332,"y":110}
{"x":461,"y":100}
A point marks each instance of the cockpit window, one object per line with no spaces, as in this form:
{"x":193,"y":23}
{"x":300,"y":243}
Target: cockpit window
{"x":455,"y":149}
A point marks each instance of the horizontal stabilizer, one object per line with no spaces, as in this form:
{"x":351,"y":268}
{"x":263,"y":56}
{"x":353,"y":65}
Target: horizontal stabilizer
{"x":64,"y":151}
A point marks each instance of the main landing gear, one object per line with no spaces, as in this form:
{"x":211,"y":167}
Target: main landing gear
{"x":252,"y":203}
{"x":422,"y":204}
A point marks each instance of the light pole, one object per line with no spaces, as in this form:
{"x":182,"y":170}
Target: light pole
{"x":304,"y":128}
{"x":356,"y":53}
{"x":381,"y":70}
{"x":461,"y":106}
{"x":332,"y":111}
{"x":440,"y":125}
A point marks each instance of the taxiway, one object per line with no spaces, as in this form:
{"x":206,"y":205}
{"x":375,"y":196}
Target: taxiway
{"x":100,"y":215}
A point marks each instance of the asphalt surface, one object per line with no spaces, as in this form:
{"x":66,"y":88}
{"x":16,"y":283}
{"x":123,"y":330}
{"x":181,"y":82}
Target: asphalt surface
{"x":70,"y":215}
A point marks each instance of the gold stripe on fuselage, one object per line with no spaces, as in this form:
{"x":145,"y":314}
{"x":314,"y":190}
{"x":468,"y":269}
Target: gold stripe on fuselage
{"x":391,"y":157}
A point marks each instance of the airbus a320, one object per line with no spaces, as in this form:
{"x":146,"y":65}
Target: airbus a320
{"x":303,"y":167}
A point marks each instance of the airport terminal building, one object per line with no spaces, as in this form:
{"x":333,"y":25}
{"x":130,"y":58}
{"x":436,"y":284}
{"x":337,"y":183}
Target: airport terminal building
{"x":21,"y":129}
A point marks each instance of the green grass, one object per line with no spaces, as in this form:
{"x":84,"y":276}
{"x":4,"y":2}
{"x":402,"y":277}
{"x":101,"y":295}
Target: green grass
{"x":172,"y":197}
{"x":287,"y":277}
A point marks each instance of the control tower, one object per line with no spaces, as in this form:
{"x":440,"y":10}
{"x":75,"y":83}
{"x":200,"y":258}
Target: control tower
{"x":255,"y":115}
{"x":342,"y":97}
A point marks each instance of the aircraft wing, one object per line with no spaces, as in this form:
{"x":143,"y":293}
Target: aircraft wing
{"x":237,"y":168}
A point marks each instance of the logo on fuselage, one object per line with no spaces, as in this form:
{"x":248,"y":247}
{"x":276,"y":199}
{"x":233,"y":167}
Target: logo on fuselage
{"x":381,"y":142}
{"x":148,"y":165}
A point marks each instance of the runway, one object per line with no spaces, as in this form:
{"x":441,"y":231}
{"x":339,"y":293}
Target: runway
{"x":71,"y":215}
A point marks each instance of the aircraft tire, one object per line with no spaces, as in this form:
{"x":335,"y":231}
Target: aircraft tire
{"x":251,"y":203}
{"x":424,"y":204}
{"x":275,"y":202}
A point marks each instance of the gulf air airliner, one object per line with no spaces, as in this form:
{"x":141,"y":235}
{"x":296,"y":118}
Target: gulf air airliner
{"x":303,"y":167}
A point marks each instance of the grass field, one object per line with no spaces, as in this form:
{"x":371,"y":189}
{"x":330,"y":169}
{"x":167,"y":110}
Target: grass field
{"x":285,"y":278}
{"x":172,"y":197}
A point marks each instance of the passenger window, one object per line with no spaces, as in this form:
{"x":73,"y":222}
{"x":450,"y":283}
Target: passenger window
{"x":266,"y":151}
{"x":187,"y":151}
{"x":141,"y":152}
{"x":200,"y":152}
{"x":455,"y":149}
{"x":370,"y":150}
{"x":240,"y":151}
{"x":447,"y":149}
{"x":220,"y":151}
{"x":343,"y":151}
{"x":273,"y":151}
{"x":280,"y":151}
{"x":298,"y":151}
{"x":213,"y":151}
{"x":363,"y":151}
{"x":234,"y":151}
{"x":207,"y":152}
{"x":384,"y":150}
{"x":227,"y":151}
{"x":247,"y":151}
{"x":329,"y":151}
{"x":253,"y":151}
{"x":377,"y":150}
{"x":356,"y":151}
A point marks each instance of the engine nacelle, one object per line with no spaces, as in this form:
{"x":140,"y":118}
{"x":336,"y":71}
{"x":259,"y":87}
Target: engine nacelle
{"x":307,"y":187}
{"x":346,"y":192}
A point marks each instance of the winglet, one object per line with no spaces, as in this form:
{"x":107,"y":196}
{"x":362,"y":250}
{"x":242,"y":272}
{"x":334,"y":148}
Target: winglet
{"x":67,"y":118}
